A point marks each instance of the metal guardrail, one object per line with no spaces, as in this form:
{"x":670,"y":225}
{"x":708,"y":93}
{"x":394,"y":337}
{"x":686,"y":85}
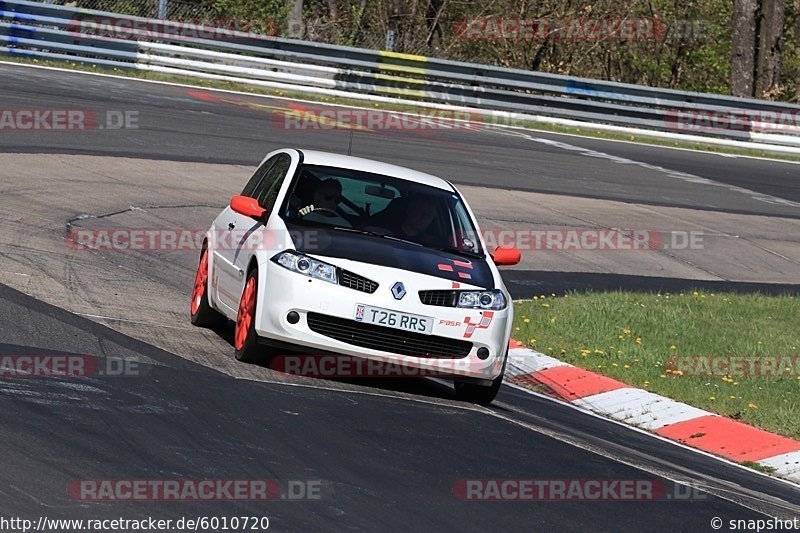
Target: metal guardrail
{"x":34,"y":29}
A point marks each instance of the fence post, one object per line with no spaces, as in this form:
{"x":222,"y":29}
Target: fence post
{"x":162,"y":9}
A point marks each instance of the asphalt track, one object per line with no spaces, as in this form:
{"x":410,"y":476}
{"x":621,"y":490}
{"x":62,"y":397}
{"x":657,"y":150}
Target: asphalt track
{"x":387,"y":454}
{"x":183,"y":124}
{"x":381,"y":462}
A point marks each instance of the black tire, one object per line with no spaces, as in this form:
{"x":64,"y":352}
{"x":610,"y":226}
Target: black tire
{"x":480,"y":394}
{"x":249,"y":351}
{"x":200,"y":311}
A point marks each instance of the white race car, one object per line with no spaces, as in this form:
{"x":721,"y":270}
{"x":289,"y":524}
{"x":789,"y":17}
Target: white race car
{"x":344,"y":255}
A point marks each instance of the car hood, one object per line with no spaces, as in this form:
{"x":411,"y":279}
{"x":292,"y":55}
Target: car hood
{"x":393,"y":254}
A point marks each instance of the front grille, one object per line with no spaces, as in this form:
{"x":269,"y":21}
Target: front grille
{"x":387,"y":339}
{"x":354,"y":281}
{"x":440,"y":298}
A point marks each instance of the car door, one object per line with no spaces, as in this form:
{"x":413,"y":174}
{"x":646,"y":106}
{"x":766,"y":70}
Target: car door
{"x":235,"y":230}
{"x":224,"y":274}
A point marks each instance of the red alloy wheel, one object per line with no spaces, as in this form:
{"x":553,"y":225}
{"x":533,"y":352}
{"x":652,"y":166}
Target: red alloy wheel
{"x":244,"y":318}
{"x":200,"y":280}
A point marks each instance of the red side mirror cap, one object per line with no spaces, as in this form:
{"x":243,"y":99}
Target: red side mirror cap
{"x":506,"y":256}
{"x":244,"y":205}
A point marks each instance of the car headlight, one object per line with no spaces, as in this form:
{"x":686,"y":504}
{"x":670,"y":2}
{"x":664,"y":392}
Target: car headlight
{"x":302,"y":264}
{"x":482,"y":299}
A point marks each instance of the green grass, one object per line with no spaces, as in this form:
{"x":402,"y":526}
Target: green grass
{"x":632,"y":336}
{"x":759,"y":467}
{"x":355,"y":102}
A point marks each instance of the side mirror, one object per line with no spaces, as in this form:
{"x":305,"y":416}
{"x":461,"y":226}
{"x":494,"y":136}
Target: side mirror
{"x":244,"y":205}
{"x":506,"y":256}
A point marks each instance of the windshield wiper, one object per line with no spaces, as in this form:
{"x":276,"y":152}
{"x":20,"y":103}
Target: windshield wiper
{"x":458,"y":251}
{"x":455,"y":251}
{"x":376,"y":234}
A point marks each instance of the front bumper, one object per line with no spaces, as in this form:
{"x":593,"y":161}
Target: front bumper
{"x":282,"y":291}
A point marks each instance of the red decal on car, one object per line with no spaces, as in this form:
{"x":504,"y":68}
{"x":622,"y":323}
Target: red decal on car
{"x":484,"y":323}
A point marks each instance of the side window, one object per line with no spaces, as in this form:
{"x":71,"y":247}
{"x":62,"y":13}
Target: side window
{"x":267,"y":191}
{"x":254,"y":181}
{"x":463,"y":231}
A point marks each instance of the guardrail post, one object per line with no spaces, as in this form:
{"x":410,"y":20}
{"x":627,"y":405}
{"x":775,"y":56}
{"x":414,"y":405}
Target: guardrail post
{"x":162,"y":9}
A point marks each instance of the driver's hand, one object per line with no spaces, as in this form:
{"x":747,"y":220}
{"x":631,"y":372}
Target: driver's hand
{"x":306,"y":210}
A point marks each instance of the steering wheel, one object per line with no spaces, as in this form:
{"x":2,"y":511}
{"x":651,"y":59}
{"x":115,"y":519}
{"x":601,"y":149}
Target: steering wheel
{"x":330,"y":213}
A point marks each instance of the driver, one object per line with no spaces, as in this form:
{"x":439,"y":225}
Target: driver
{"x":325,"y":200}
{"x":326,"y":197}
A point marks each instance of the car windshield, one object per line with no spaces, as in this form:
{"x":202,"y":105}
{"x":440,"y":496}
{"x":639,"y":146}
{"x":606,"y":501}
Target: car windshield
{"x":381,"y":206}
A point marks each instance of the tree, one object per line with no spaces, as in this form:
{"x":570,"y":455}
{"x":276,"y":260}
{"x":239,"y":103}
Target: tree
{"x":770,"y":47}
{"x":294,"y":19}
{"x":395,"y":9}
{"x":743,"y":41}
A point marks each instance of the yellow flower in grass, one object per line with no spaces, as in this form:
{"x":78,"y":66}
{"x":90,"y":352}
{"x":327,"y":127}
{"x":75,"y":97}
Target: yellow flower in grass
{"x":626,"y":366}
{"x":533,"y":341}
{"x":614,"y":364}
{"x":752,"y":406}
{"x":732,"y":397}
{"x":599,"y":352}
{"x":585,"y":352}
{"x":647,"y":383}
{"x":621,"y":337}
{"x":553,"y":320}
{"x":712,"y":398}
{"x":527,"y":320}
{"x":663,"y":375}
{"x":626,"y":331}
{"x":545,"y":305}
{"x":638,"y":340}
{"x":673,"y":347}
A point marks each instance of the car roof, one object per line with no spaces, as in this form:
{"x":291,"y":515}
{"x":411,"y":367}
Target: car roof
{"x":315,"y":157}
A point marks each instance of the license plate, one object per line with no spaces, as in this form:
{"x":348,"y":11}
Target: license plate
{"x":394,"y":319}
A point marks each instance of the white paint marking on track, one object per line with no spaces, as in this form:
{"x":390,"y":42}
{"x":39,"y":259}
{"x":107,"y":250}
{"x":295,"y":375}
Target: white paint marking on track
{"x":640,"y":408}
{"x":683,"y":176}
{"x":787,"y":464}
{"x":523,"y":361}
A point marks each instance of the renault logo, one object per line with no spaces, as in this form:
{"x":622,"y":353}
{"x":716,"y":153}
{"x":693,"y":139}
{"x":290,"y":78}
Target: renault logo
{"x":398,"y":291}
